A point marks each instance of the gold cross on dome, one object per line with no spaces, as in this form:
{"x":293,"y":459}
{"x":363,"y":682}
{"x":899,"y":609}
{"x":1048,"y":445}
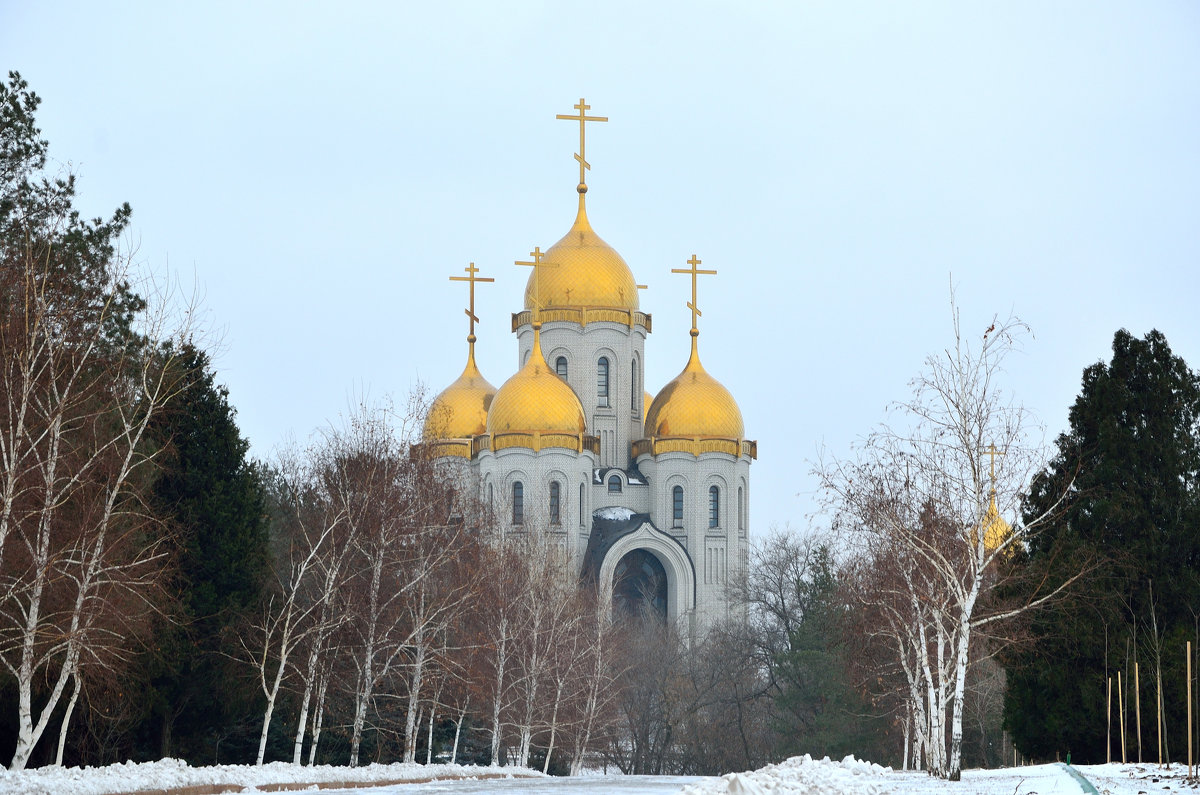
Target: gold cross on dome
{"x":472,"y":278}
{"x":992,"y":452}
{"x":537,"y":266}
{"x":694,"y":261}
{"x":582,"y":118}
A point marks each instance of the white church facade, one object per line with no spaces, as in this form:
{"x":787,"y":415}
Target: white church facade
{"x":635,"y":489}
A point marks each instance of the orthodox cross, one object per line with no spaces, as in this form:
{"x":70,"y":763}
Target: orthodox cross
{"x":992,"y":452}
{"x":537,"y":266}
{"x":582,"y":119}
{"x":694,"y":261}
{"x":472,"y":278}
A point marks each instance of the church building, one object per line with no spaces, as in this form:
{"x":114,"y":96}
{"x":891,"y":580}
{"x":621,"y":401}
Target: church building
{"x":649,"y":497}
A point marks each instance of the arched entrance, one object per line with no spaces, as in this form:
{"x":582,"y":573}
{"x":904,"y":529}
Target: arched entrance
{"x":639,"y":591}
{"x":660,"y":561}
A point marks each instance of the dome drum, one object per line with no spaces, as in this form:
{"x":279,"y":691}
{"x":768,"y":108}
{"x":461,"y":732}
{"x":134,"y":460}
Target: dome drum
{"x":583,"y":315}
{"x":536,"y":441}
{"x":696,"y":445}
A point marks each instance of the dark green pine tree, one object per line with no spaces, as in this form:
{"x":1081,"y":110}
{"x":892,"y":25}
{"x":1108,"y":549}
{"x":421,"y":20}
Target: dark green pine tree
{"x":215,"y":497}
{"x":1130,"y":469}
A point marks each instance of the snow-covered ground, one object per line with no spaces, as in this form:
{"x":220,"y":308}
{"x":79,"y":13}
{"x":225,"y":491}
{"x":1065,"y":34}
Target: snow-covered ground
{"x":853,"y":777}
{"x":797,"y":775}
{"x":173,"y":773}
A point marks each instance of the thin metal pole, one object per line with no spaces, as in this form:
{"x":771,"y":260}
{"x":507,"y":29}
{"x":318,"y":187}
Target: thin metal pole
{"x":1137,"y":698}
{"x":1108,"y":734}
{"x":1121,"y":712}
{"x":1189,"y":710}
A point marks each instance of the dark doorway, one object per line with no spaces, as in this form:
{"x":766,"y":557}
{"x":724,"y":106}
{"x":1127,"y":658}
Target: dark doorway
{"x":640,"y":588}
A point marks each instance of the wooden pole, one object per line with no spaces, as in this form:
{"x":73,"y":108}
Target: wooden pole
{"x":1159,"y":706}
{"x":1121,"y":713}
{"x":1108,"y":734}
{"x":1137,"y":700}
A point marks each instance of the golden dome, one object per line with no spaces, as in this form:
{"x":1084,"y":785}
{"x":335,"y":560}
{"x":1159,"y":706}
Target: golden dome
{"x":995,"y":530}
{"x":694,"y":404}
{"x":461,"y":410}
{"x":536,"y":401}
{"x":582,"y":270}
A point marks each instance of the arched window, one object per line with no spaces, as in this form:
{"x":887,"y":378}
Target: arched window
{"x":741,"y":511}
{"x":614,"y":484}
{"x":714,"y":506}
{"x":555,"y":514}
{"x":518,"y":500}
{"x":677,"y":506}
{"x":581,"y":505}
{"x":560,"y":367}
{"x":633,"y":388}
{"x":602,"y":381}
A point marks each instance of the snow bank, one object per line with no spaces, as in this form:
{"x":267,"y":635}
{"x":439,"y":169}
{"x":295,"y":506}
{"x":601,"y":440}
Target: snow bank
{"x":172,"y":773}
{"x":802,"y":774}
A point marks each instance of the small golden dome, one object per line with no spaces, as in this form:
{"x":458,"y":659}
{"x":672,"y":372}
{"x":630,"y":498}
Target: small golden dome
{"x":461,"y":410}
{"x":582,"y":270}
{"x":536,"y":400}
{"x":995,"y":530}
{"x":694,"y":404}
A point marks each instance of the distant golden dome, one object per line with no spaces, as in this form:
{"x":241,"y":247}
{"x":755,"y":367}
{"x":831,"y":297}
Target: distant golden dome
{"x":582,"y":270}
{"x":647,"y":401}
{"x":995,"y":530}
{"x":536,"y":400}
{"x":461,"y":410}
{"x":694,"y":404}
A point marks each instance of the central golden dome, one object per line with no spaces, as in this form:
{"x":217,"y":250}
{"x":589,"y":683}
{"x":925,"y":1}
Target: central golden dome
{"x":694,"y":404}
{"x":535,"y":400}
{"x":582,"y":270}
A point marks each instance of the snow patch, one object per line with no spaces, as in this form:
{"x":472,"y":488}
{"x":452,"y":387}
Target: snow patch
{"x":172,"y":773}
{"x":614,"y":512}
{"x":802,"y":774}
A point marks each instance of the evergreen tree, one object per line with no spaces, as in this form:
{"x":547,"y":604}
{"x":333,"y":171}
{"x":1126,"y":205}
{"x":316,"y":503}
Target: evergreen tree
{"x":215,"y":496}
{"x":1131,"y":459}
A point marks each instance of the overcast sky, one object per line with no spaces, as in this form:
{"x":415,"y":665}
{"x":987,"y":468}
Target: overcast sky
{"x":320,"y":170}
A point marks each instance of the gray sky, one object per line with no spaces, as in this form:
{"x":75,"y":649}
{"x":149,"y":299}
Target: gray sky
{"x":320,"y":171}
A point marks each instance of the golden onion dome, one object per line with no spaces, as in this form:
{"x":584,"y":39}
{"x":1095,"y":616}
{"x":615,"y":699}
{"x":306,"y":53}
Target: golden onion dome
{"x":461,"y":410}
{"x":694,"y":404}
{"x":536,"y":400}
{"x":583,"y":271}
{"x":647,"y":401}
{"x":995,"y":529}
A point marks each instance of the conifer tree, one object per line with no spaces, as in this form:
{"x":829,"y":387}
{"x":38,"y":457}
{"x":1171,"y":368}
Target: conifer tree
{"x":1131,"y":464}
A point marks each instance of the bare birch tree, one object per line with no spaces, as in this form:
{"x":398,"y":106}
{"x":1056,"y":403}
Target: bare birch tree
{"x":964,"y":446}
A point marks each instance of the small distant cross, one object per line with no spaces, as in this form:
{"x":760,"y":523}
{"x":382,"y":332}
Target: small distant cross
{"x":992,"y":452}
{"x":537,"y":266}
{"x":692,"y":305}
{"x":582,"y":119}
{"x":472,"y":278}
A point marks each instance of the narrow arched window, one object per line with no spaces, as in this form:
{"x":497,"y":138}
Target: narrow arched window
{"x":560,"y":367}
{"x":491,"y":496}
{"x":714,"y":506}
{"x":633,"y":388}
{"x":581,"y":505}
{"x":518,"y":503}
{"x":602,"y":381}
{"x":741,"y":511}
{"x":614,"y":484}
{"x":677,"y":506}
{"x":555,"y":514}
